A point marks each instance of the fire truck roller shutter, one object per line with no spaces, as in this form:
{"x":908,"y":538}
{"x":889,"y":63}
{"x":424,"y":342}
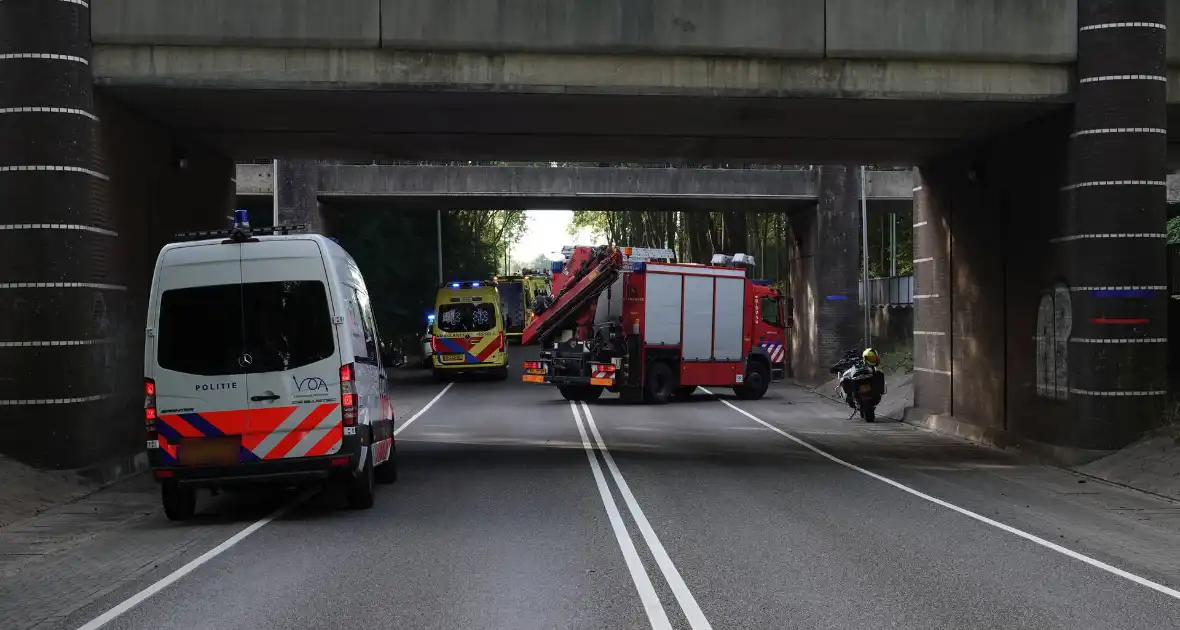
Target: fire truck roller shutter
{"x":661,"y":312}
{"x":698,"y":318}
{"x":728,"y":318}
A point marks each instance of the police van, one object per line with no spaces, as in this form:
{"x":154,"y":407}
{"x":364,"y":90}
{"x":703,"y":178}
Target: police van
{"x":262,"y":366}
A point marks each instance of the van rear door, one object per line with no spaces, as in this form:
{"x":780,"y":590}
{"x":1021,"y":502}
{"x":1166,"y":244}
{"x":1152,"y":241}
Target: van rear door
{"x":196,"y":354}
{"x":294,"y":375}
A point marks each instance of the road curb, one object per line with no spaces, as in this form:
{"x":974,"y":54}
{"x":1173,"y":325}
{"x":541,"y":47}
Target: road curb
{"x":109,"y":471}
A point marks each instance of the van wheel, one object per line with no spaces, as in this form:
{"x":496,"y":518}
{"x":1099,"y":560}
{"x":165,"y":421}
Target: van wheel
{"x":660,"y":383}
{"x":442,"y":376}
{"x":755,"y":383}
{"x":179,"y":503}
{"x":500,"y":374}
{"x":387,"y":472}
{"x":360,"y":488}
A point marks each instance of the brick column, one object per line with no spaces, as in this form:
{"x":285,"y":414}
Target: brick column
{"x":1112,"y":241}
{"x":58,"y":291}
{"x":932,"y":290}
{"x":825,"y":269}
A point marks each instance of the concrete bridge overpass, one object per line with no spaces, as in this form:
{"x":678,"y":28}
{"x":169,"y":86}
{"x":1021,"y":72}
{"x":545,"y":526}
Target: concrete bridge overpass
{"x":1040,"y":129}
{"x":431,"y":187}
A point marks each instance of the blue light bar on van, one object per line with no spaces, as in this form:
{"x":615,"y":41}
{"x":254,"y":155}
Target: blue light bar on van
{"x":454,"y":285}
{"x":430,"y":317}
{"x":476,"y":284}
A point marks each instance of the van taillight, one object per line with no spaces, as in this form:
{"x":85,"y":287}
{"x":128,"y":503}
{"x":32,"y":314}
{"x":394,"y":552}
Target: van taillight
{"x":502,"y":348}
{"x":347,"y":395}
{"x":149,"y":407}
{"x":434,"y":344}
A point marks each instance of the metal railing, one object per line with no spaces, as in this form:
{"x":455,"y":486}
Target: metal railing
{"x":894,"y":291}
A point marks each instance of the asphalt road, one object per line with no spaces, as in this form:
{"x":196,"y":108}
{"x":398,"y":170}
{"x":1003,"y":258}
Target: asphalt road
{"x":517,"y":510}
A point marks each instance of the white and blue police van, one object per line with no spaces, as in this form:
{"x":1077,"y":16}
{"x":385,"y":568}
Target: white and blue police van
{"x":262,"y":366}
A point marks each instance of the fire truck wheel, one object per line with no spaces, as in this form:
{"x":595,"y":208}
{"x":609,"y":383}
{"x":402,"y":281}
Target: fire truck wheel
{"x":757,"y":381}
{"x":179,"y":503}
{"x":660,"y":383}
{"x":593,"y":392}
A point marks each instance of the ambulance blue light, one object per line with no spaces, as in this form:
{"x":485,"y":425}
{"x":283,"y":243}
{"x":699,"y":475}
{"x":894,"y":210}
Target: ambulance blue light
{"x":430,"y":317}
{"x":241,"y":219}
{"x":476,"y":284}
{"x":454,"y":285}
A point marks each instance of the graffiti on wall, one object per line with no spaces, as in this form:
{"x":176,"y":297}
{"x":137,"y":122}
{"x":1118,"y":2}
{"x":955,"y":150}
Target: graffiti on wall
{"x":1054,"y":325}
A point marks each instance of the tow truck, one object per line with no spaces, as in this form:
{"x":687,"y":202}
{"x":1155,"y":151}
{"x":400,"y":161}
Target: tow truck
{"x":634,"y":322}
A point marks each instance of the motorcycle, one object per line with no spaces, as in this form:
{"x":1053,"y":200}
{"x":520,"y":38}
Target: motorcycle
{"x":861,"y":385}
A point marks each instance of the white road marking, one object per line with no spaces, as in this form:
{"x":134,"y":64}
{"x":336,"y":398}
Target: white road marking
{"x":696,"y":618}
{"x":141,"y":596}
{"x":647,"y":593}
{"x":1170,"y":592}
{"x":422,"y":410}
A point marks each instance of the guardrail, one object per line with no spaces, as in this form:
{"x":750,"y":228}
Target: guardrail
{"x":894,"y":291}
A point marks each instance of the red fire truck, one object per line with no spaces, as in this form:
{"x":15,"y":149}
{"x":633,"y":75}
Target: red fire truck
{"x":654,"y":330}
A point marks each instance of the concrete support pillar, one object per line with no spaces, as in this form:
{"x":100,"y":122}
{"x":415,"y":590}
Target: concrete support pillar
{"x":824,"y":275}
{"x":1112,"y":243}
{"x":58,"y":282}
{"x":298,"y":186}
{"x":1041,"y":313}
{"x":932,"y":296}
{"x":91,"y":191}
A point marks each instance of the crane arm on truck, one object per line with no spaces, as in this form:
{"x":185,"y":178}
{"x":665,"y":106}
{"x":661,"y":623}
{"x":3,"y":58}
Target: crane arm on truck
{"x":597,"y":273}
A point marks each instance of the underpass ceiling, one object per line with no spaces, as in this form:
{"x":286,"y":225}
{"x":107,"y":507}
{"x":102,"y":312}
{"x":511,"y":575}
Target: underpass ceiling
{"x":440,"y":125}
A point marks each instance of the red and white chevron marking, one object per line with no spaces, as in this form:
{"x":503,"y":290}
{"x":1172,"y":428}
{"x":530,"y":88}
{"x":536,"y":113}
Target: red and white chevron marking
{"x":776,"y":350}
{"x":309,"y":431}
{"x":382,"y":450}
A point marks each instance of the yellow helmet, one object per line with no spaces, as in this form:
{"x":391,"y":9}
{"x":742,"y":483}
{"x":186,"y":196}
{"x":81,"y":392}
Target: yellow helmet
{"x":871,"y":357}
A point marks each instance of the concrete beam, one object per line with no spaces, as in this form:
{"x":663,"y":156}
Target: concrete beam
{"x":566,"y":182}
{"x":1030,"y":31}
{"x":979,"y":30}
{"x":178,"y":67}
{"x":716,"y":27}
{"x":295,"y":23}
{"x":432,"y":181}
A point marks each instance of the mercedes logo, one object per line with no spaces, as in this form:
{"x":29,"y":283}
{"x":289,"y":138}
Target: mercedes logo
{"x":245,"y":360}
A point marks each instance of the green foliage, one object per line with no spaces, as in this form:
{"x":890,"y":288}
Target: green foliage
{"x":397,"y":253}
{"x":1173,"y":230}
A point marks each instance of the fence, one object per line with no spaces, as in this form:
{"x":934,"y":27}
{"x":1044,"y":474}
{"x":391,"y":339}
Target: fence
{"x":894,"y":291}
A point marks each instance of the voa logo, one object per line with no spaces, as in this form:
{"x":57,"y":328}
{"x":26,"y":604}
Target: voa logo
{"x":310,"y":384}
